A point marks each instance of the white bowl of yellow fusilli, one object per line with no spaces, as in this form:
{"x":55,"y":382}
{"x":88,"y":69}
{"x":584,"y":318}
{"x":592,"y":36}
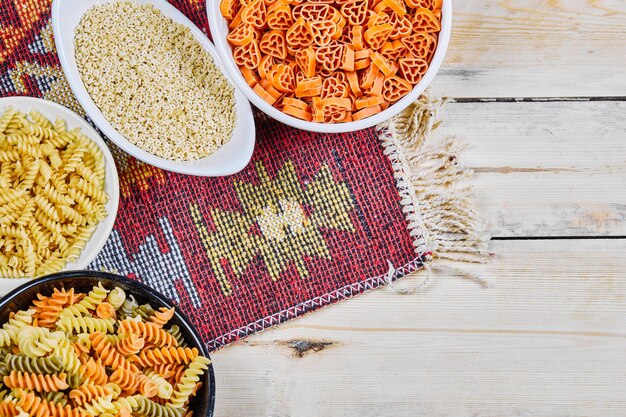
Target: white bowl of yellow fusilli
{"x":59,"y":190}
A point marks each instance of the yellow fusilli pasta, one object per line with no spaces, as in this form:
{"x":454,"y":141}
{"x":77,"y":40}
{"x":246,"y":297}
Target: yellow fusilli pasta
{"x":51,"y":193}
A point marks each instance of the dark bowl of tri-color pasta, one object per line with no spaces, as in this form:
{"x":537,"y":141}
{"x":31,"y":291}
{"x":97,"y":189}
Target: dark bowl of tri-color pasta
{"x":85,"y":342}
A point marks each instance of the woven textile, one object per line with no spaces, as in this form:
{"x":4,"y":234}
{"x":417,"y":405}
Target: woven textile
{"x":312,"y":220}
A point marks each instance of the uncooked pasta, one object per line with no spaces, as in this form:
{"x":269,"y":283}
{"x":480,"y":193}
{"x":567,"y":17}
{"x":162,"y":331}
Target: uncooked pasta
{"x":59,"y":358}
{"x":153,"y":81}
{"x":51,"y":194}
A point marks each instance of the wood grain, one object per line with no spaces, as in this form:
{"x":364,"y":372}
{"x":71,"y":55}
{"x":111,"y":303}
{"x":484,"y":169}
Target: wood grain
{"x":544,"y":169}
{"x":534,"y":48}
{"x":548,"y":339}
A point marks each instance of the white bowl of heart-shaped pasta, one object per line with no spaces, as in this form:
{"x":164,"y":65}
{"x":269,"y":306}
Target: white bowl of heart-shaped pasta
{"x":59,"y":190}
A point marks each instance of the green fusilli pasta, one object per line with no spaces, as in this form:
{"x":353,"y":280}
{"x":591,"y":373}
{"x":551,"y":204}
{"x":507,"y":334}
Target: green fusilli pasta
{"x":48,"y":365}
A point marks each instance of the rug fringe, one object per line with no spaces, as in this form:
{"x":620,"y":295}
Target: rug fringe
{"x":440,"y":213}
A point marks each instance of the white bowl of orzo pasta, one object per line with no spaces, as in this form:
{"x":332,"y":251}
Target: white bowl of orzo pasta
{"x":59,"y":190}
{"x":154,"y":84}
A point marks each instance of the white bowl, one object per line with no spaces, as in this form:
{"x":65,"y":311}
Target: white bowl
{"x":229,"y":159}
{"x":111,"y":185}
{"x":219,"y":31}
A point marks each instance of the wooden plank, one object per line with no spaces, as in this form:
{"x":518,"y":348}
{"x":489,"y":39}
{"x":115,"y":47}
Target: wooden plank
{"x":544,"y":169}
{"x":533,"y":48}
{"x":548,"y":204}
{"x":547,"y":339}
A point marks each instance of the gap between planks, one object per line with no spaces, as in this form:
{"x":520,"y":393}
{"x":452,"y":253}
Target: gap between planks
{"x":504,"y":238}
{"x":534,"y":99}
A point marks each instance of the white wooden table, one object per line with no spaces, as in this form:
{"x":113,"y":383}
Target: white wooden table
{"x":540,"y":89}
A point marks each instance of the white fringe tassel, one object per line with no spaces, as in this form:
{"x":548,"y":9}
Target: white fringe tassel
{"x":440,"y":214}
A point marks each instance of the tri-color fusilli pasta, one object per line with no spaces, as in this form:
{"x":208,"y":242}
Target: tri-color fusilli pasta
{"x":51,"y":194}
{"x":60,"y":358}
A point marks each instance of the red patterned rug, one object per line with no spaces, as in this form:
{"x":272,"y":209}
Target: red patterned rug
{"x":313,"y":219}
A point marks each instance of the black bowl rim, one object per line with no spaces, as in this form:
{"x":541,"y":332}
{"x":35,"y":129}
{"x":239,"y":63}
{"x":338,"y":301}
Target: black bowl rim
{"x":107,"y":276}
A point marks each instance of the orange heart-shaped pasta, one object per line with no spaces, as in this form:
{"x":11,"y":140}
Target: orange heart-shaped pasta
{"x":325,"y":73}
{"x":335,"y":16}
{"x":309,"y":87}
{"x":267,"y":85}
{"x":368,"y":76}
{"x":340,"y":23}
{"x":248,"y":55}
{"x":365,"y":53}
{"x":329,"y":56}
{"x":255,"y":14}
{"x":265,"y":65}
{"x":413,"y":69}
{"x":250,"y":76}
{"x":377,"y":19}
{"x":322,"y":31}
{"x":353,"y":82}
{"x":417,"y":4}
{"x":236,"y":21}
{"x":335,"y":117}
{"x":362,"y":59}
{"x":229,"y":8}
{"x":310,"y":83}
{"x":384,"y":65}
{"x":332,"y":87}
{"x":393,"y":51}
{"x":298,"y":35}
{"x":332,"y":61}
{"x":298,"y":113}
{"x":377,"y":88}
{"x":368,"y":101}
{"x":424,"y":20}
{"x":299,"y":77}
{"x":377,"y":35}
{"x":317,"y":110}
{"x":340,"y":76}
{"x":294,"y":102}
{"x":367,"y":112}
{"x":347,"y":58}
{"x":355,"y":12}
{"x":418,"y":44}
{"x":312,"y":12}
{"x":357,"y":38}
{"x":273,"y":43}
{"x":241,"y":35}
{"x":394,"y":88}
{"x":335,"y":109}
{"x":398,"y":6}
{"x":283,"y":78}
{"x":280,"y":18}
{"x":305,"y":58}
{"x":402,"y":26}
{"x":261,"y":92}
{"x":346,"y":36}
{"x":432,"y":48}
{"x":313,"y":92}
{"x":381,"y":7}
